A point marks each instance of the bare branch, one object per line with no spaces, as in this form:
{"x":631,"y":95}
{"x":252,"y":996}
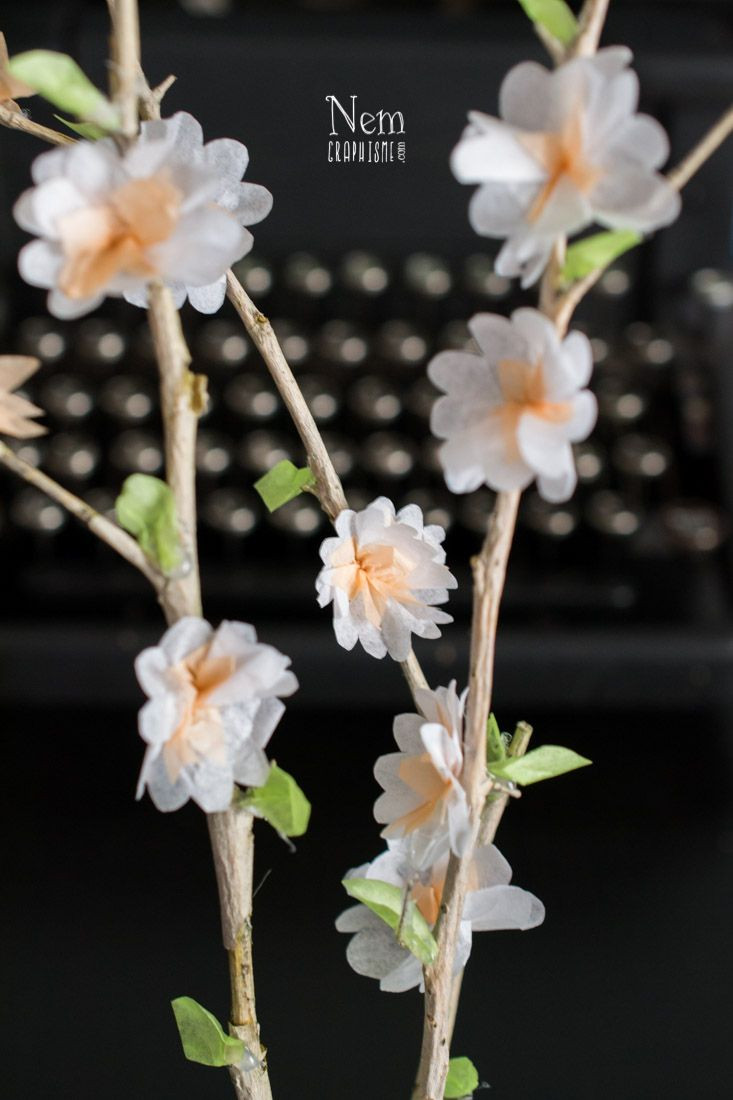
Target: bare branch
{"x":704,"y":149}
{"x":590,"y":28}
{"x":16,"y":120}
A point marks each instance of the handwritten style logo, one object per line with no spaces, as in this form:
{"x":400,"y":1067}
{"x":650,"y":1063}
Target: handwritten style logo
{"x":374,"y":139}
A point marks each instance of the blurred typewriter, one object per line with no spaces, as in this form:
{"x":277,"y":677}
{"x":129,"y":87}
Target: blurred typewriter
{"x":360,"y":305}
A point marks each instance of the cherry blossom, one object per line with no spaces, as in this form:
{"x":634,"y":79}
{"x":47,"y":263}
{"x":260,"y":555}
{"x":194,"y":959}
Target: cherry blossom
{"x":16,"y":411}
{"x":110,"y":221}
{"x":384,"y":572}
{"x":423,"y":798}
{"x":491,"y":904}
{"x":511,"y":412}
{"x":568,"y":150}
{"x":212,"y":709}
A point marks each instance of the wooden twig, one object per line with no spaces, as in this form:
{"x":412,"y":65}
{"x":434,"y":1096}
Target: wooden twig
{"x":16,"y":120}
{"x":99,"y":525}
{"x":126,"y":64}
{"x":704,"y":149}
{"x":489,"y":571}
{"x":590,"y":27}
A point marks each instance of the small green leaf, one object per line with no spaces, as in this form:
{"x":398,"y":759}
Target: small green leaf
{"x":282,"y":483}
{"x":555,"y":16}
{"x":280,"y":801}
{"x":88,"y":130}
{"x":495,"y":746}
{"x":600,"y":250}
{"x":462,"y":1079}
{"x":543,"y":763}
{"x":387,"y":902}
{"x":202,"y":1036}
{"x":58,"y":78}
{"x":146,"y":509}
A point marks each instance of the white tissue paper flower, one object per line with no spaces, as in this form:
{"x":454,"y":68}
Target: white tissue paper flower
{"x":384,"y":572}
{"x":511,"y":412}
{"x":212,"y":708}
{"x":423,"y":798}
{"x":109,"y":221}
{"x":492,"y":904}
{"x":568,"y":150}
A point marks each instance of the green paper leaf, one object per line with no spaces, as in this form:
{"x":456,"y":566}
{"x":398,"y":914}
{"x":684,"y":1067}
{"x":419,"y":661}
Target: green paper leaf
{"x":543,"y":763}
{"x":88,"y":130}
{"x":202,"y":1036}
{"x":146,"y":509}
{"x":282,"y":483}
{"x":462,"y":1079}
{"x":387,"y":901}
{"x":279,"y":801}
{"x":555,"y":16}
{"x":600,"y":250}
{"x":58,"y":78}
{"x":495,"y":746}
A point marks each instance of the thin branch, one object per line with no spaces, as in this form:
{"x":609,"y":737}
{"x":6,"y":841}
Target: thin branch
{"x":704,"y":149}
{"x":99,"y":525}
{"x":126,"y":63}
{"x":590,"y":28}
{"x":328,"y":488}
{"x":16,"y":120}
{"x":489,"y":571}
{"x":561,"y":307}
{"x":182,"y":399}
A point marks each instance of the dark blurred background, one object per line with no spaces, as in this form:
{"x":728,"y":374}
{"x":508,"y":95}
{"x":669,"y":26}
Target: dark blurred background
{"x":617,"y":633}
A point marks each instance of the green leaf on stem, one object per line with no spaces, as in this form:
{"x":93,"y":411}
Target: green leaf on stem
{"x":58,"y":78}
{"x":88,"y":130}
{"x":462,"y":1079}
{"x":598,"y":251}
{"x":279,"y":801}
{"x":543,"y":763}
{"x":495,"y":744}
{"x":555,"y":16}
{"x":202,"y":1036}
{"x":388,"y":902}
{"x":146,"y":509}
{"x":282,"y":483}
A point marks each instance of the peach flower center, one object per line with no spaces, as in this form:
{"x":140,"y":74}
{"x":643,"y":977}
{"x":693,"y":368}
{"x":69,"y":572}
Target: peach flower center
{"x":523,"y":388}
{"x":101,"y":242}
{"x":199,"y":733}
{"x":428,"y":896}
{"x":375,"y":572}
{"x":421,"y":776}
{"x":561,"y":155}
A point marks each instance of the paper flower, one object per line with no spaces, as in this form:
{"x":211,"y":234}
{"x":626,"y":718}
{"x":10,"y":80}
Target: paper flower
{"x":168,"y":207}
{"x":492,"y":904}
{"x":568,"y":150}
{"x":511,"y":412}
{"x":423,"y":799}
{"x":384,"y":572}
{"x":212,"y":709}
{"x":14,"y":409}
{"x":10,"y":87}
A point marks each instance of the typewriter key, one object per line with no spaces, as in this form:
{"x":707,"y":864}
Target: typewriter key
{"x":213,"y":454}
{"x":305,"y":274}
{"x":100,"y":341}
{"x":66,"y":397}
{"x":695,"y":526}
{"x":222,"y":343}
{"x":342,"y":343}
{"x":365,"y":273}
{"x":255,"y":275}
{"x":400,"y":342}
{"x":554,"y":521}
{"x":642,"y":456}
{"x":302,"y":517}
{"x":429,"y":276}
{"x":388,"y":455}
{"x":373,"y":399}
{"x":481,"y":278}
{"x":589,"y":462}
{"x":262,"y":450}
{"x":252,"y":397}
{"x":293,"y":341}
{"x":40,"y":336}
{"x":127,"y":398}
{"x":609,"y":514}
{"x":33,"y":511}
{"x":230,"y":511}
{"x":135,"y":451}
{"x":321,"y":397}
{"x":72,"y":456}
{"x":421,"y":397}
{"x":342,"y":452}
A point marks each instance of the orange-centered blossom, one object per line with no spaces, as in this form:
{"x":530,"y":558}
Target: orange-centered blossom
{"x":100,"y":242}
{"x":523,"y":388}
{"x":375,"y":571}
{"x":199,"y":732}
{"x":421,"y":776}
{"x":561,"y":155}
